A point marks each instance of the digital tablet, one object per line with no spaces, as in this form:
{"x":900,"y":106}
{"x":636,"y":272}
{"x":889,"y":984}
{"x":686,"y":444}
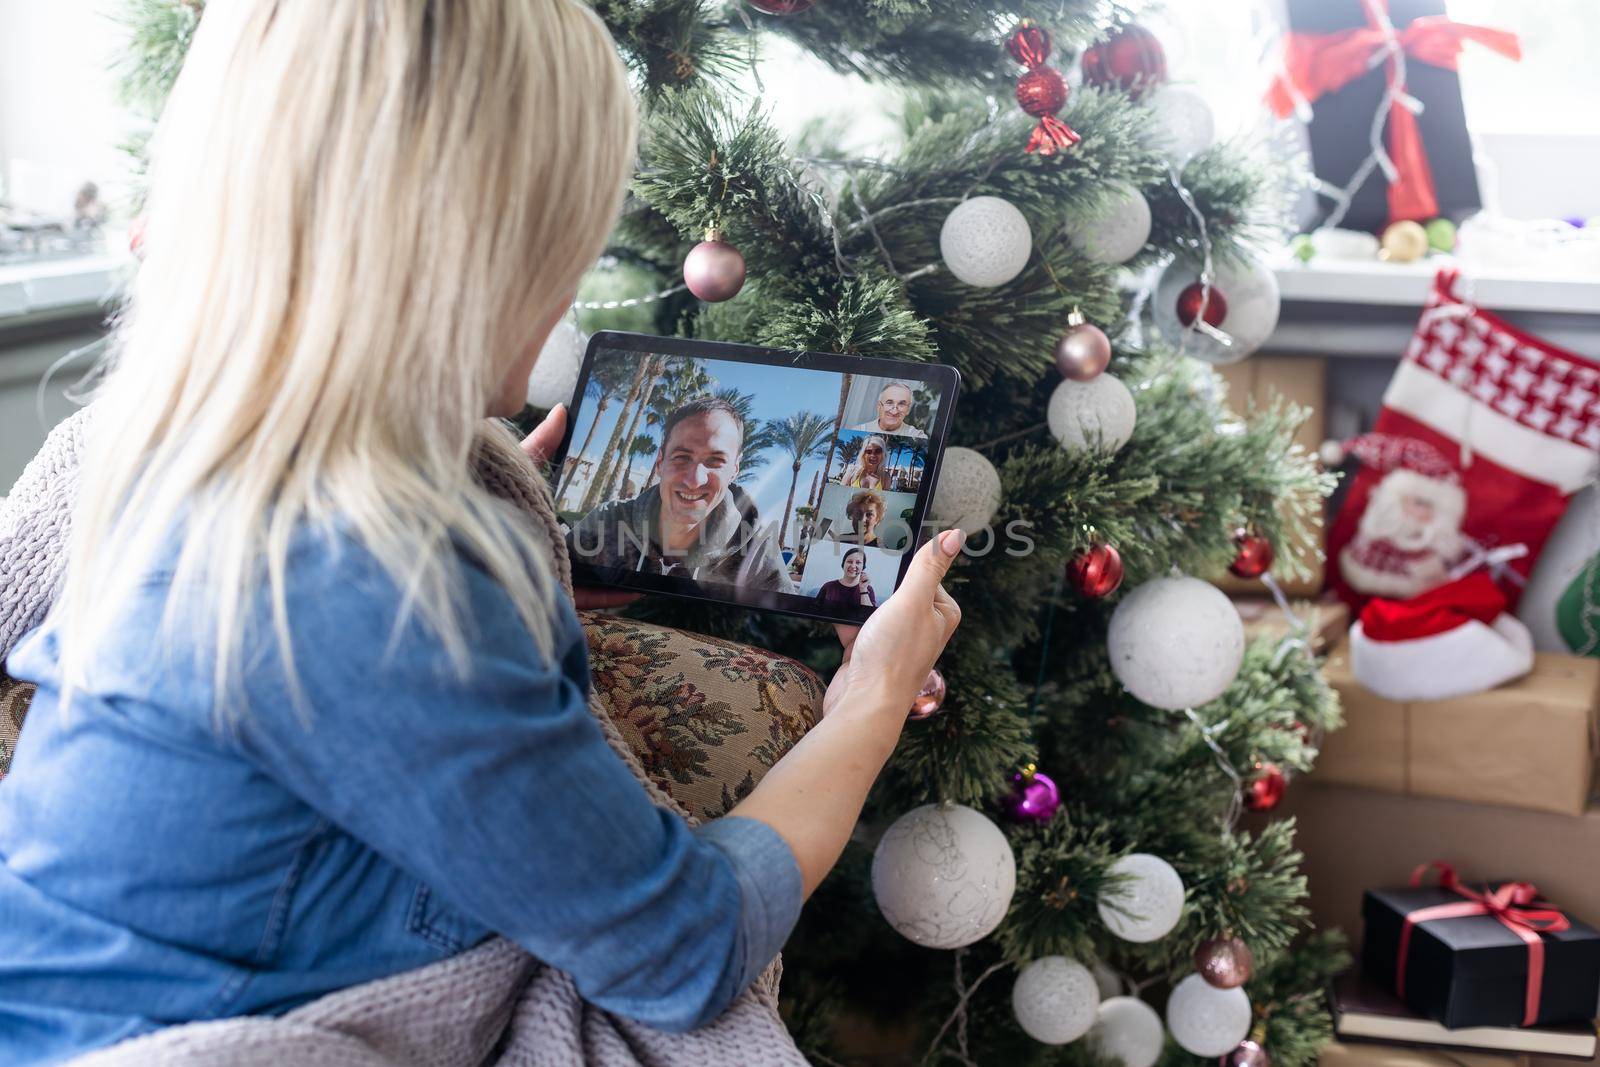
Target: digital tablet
{"x":791,"y":481}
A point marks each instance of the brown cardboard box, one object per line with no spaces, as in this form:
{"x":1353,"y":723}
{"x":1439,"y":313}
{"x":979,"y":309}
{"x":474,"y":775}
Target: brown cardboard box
{"x":1372,"y":1054}
{"x":1301,"y":380}
{"x":1529,"y":744}
{"x":1329,"y":619}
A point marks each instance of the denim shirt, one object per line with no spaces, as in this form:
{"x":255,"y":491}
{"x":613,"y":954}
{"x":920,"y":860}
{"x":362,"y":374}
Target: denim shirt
{"x":155,"y":869}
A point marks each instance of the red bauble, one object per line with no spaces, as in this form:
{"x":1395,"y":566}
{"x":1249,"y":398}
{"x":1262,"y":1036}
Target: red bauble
{"x":1193,"y":296}
{"x":136,"y":237}
{"x":1029,"y":44}
{"x":1042,"y":91}
{"x":1265,"y":791}
{"x":1255,"y":555}
{"x":781,"y":7}
{"x":1131,"y":60}
{"x":1096,"y":571}
{"x":714,"y":270}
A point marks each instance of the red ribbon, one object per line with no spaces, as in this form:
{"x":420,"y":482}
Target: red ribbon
{"x":1509,"y":904}
{"x":1318,"y":63}
{"x":1051,"y":134}
{"x":1436,"y":611}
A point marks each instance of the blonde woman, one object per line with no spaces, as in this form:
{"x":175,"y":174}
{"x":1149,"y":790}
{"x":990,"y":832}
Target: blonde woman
{"x":867,"y":472}
{"x":311,"y":708}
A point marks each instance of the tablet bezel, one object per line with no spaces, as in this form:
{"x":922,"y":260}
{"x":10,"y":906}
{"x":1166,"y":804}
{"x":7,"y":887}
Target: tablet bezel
{"x":946,"y":379}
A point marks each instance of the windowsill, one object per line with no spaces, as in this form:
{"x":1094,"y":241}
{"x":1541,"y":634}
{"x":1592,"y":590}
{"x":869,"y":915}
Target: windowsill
{"x":55,"y":288}
{"x":1407,"y":285}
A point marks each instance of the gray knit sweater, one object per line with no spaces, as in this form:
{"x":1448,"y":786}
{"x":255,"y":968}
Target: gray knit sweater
{"x":493,"y":1004}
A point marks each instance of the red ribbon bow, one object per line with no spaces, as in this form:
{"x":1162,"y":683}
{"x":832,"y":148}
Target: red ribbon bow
{"x":1510,"y":904}
{"x":1318,"y":63}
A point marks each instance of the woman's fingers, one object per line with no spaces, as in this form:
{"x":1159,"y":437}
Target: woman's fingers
{"x":541,"y":444}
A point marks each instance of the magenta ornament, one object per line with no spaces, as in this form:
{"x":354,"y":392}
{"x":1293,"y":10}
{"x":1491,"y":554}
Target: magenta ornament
{"x":1084,"y":351}
{"x":714,"y":270}
{"x":1034,"y":796}
{"x":930,"y":698}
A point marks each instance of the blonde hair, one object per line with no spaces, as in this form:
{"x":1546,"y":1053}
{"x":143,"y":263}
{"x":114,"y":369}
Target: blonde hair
{"x":358,"y":215}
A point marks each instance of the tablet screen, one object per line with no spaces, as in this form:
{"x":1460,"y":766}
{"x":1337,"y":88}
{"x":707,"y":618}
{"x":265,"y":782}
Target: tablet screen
{"x":767,"y":479}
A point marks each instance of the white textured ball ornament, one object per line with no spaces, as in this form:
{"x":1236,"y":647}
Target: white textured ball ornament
{"x":985,"y":241}
{"x":1254,"y":302}
{"x":1116,"y":232}
{"x":1146,"y":901}
{"x":1184,"y":124}
{"x":1099,"y":413}
{"x":1054,"y":1000}
{"x":555,"y":373}
{"x":968,"y":493}
{"x":943,"y":875}
{"x":1176,"y":642}
{"x":1128,"y":1030}
{"x":1205,"y":1020}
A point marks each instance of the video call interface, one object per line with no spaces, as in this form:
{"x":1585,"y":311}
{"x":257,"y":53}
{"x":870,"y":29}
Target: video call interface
{"x":774,"y":478}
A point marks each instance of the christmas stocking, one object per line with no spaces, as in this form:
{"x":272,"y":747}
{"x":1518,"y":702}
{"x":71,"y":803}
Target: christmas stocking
{"x":1485,"y":433}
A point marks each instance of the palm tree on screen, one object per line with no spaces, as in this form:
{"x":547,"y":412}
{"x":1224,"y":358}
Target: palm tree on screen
{"x":803,"y":435}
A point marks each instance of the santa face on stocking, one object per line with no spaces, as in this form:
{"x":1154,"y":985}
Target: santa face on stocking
{"x":1409,"y":536}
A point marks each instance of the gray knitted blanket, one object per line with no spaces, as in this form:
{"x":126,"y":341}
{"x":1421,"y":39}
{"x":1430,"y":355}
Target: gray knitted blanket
{"x":493,"y":1004}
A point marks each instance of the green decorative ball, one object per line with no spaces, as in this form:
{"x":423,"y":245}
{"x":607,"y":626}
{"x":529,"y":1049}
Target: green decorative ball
{"x":1302,"y":247}
{"x":1441,"y":235}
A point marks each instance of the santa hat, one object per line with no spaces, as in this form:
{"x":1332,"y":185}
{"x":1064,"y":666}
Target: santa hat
{"x":1450,"y":641}
{"x":1385,"y":452}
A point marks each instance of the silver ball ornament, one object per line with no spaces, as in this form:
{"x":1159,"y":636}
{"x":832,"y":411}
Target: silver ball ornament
{"x":968,"y":493}
{"x":1176,"y":642}
{"x":1145,"y":901}
{"x":943,"y":875}
{"x":555,"y":372}
{"x":1083,"y":352}
{"x":1253,"y":306}
{"x":1225,"y":962}
{"x":985,"y":241}
{"x":1248,"y":1054}
{"x":1099,"y":413}
{"x":1055,"y":999}
{"x":714,"y":270}
{"x":1129,"y":1031}
{"x":1116,"y":230}
{"x":1205,"y":1020}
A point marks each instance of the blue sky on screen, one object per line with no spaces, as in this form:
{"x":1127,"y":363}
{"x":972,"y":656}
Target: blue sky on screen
{"x":779,"y":392}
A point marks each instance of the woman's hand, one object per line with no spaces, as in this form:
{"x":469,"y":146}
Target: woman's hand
{"x":540,"y":445}
{"x":887,"y":658}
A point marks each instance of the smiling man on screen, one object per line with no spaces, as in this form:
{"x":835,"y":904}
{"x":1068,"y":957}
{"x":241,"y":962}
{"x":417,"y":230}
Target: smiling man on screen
{"x":894,"y":404}
{"x":694,"y":522}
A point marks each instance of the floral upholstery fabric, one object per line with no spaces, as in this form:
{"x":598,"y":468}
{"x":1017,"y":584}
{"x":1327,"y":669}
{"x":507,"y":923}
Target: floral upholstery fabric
{"x":706,"y":717}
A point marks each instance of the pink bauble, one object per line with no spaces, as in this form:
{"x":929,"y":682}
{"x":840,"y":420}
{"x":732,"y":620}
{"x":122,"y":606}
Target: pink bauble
{"x":1083,"y":352}
{"x":714,"y":271}
{"x":930,"y":698}
{"x":1248,"y":1054}
{"x":1224,"y":962}
{"x":1034,"y":797}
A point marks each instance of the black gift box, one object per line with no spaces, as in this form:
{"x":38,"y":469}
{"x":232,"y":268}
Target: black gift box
{"x":1341,"y":122}
{"x":1473,"y":971}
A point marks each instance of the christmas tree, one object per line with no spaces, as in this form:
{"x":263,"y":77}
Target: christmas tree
{"x":1101,"y":722}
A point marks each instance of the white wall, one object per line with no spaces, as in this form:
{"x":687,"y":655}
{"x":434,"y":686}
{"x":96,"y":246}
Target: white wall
{"x":59,"y":120}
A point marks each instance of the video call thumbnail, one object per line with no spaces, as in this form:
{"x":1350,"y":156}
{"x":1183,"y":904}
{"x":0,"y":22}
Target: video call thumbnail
{"x":754,"y":475}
